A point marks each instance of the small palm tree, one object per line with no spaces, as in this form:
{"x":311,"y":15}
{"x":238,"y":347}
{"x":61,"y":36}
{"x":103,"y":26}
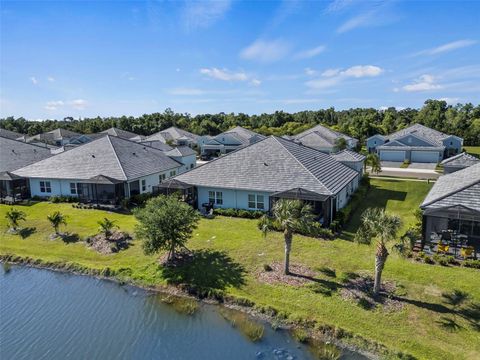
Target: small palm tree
{"x":106,"y":226}
{"x":383,"y":227}
{"x":13,"y":217}
{"x":340,"y":144}
{"x":290,"y":216}
{"x":56,"y":219}
{"x":373,"y":161}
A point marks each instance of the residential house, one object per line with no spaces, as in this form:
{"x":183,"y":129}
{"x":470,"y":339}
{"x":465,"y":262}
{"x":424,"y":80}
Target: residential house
{"x":174,"y":136}
{"x":323,"y":139}
{"x":351,"y":159}
{"x":14,"y":155}
{"x":113,"y":131}
{"x":255,"y":176}
{"x":103,"y":171}
{"x":185,"y":156}
{"x":458,"y":162}
{"x":60,"y":137}
{"x":228,"y":141}
{"x":416,"y":143}
{"x":453,"y":204}
{"x":157,"y":144}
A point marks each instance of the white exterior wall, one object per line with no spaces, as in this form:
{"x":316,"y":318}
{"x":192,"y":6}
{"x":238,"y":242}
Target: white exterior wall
{"x":189,"y":162}
{"x":59,"y":187}
{"x":344,"y":195}
{"x":236,"y":199}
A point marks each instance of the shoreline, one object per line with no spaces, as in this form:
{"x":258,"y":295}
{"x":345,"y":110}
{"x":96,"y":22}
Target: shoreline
{"x":316,"y":332}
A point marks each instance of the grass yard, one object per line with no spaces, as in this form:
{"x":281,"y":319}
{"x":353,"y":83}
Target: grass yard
{"x":474,"y":150}
{"x":232,"y":251}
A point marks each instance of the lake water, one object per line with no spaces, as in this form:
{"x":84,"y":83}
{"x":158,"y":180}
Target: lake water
{"x":51,"y":315}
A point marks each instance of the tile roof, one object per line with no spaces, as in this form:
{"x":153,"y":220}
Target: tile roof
{"x":17,"y":154}
{"x":157,"y":144}
{"x":120,"y":133}
{"x":461,"y":160}
{"x":433,"y":136}
{"x":272,"y":165}
{"x":348,"y":155}
{"x":448,"y":185}
{"x":110,"y":156}
{"x":10,"y":134}
{"x":172,"y":133}
{"x":181,"y":151}
{"x":320,"y":137}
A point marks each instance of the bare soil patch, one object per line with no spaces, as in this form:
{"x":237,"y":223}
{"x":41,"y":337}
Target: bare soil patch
{"x":299,"y":275}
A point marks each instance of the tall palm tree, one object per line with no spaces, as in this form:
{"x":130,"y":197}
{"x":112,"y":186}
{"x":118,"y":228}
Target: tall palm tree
{"x":56,"y":219}
{"x":13,"y":217}
{"x":373,"y":161}
{"x":382,"y":227}
{"x":106,"y":226}
{"x":290,"y":216}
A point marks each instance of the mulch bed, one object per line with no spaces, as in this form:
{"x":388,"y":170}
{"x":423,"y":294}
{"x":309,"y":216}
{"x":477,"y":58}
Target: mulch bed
{"x":299,"y":275}
{"x":117,"y":241}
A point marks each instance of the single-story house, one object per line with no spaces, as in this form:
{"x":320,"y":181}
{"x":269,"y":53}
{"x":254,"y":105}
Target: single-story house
{"x":14,"y":155}
{"x":185,"y":156}
{"x":157,"y":144}
{"x":323,"y":139}
{"x":453,"y":204}
{"x":60,"y":137}
{"x":102,"y":171}
{"x":228,"y":141}
{"x":351,"y":159}
{"x":458,"y":162}
{"x":113,"y":131}
{"x":11,"y":134}
{"x":174,"y":136}
{"x":255,"y":176}
{"x":416,"y":143}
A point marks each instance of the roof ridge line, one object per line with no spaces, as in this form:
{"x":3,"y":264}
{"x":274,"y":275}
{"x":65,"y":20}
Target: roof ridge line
{"x":452,"y":192}
{"x":116,"y":156}
{"x":276,"y":139}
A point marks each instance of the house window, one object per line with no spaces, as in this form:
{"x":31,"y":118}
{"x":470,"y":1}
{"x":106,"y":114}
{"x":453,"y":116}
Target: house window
{"x":45,"y":187}
{"x":73,"y":188}
{"x":191,"y":166}
{"x":256,"y":201}
{"x":144,"y":185}
{"x":173,"y":173}
{"x":215,"y":197}
{"x":162,"y":177}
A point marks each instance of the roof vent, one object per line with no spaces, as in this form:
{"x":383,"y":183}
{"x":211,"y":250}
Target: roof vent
{"x":134,"y":154}
{"x":13,"y":150}
{"x":93,"y":156}
{"x":265,"y":164}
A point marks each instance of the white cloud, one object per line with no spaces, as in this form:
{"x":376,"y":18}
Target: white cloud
{"x":332,"y":77}
{"x":266,"y":50}
{"x":454,"y":45}
{"x":202,"y":14}
{"x":450,"y":100}
{"x":53,"y":105}
{"x":361,"y":20}
{"x":423,"y":83}
{"x":224,"y":74}
{"x":78,"y":104}
{"x":310,"y":72}
{"x":309,"y":53}
{"x":34,"y":80}
{"x":50,"y":79}
{"x":338,"y":5}
{"x":255,"y":82}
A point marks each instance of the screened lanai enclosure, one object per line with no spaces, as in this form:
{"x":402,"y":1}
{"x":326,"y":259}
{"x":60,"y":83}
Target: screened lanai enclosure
{"x":13,"y":188}
{"x":100,"y":190}
{"x":453,"y":230}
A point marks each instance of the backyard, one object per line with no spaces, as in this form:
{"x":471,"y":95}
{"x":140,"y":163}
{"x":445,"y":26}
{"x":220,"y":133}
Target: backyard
{"x":232,"y":252}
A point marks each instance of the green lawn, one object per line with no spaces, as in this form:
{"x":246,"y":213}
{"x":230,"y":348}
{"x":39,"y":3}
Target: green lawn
{"x":233,"y":251}
{"x":474,"y":150}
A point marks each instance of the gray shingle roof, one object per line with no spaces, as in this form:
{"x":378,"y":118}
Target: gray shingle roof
{"x":461,"y":160}
{"x":157,"y":144}
{"x":320,"y":136}
{"x":433,"y":136}
{"x":110,"y":156}
{"x":17,"y":154}
{"x":273,"y":164}
{"x":120,"y":133}
{"x":10,"y":134}
{"x":348,"y":155}
{"x":172,"y":133}
{"x":57,"y":134}
{"x":181,"y":151}
{"x":449,"y":186}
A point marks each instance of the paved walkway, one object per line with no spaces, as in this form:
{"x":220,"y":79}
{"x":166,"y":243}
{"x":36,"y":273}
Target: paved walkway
{"x":408,"y":173}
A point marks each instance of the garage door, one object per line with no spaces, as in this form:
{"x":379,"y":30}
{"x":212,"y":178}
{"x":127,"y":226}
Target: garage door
{"x":424,"y":156}
{"x":390,"y":155}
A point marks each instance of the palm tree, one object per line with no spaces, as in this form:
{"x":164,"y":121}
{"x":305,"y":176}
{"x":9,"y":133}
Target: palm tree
{"x":56,"y":219}
{"x":290,"y":216}
{"x":106,"y":226}
{"x":340,"y":144}
{"x":373,"y":161}
{"x":383,"y":227}
{"x":13,"y":217}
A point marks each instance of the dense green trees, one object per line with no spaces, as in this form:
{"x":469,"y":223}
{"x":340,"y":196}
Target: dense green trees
{"x":462,"y":120}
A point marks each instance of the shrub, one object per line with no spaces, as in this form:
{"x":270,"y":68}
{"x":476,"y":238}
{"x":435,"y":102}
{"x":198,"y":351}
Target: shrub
{"x":344,"y":214}
{"x":246,"y":214}
{"x":62,"y":199}
{"x":472,"y":263}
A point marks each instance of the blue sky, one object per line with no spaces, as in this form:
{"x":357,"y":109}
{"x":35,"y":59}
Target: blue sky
{"x":76,"y":58}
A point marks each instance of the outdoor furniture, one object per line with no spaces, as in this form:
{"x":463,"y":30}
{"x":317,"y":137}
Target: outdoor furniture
{"x":467,"y":252}
{"x":443,"y":248}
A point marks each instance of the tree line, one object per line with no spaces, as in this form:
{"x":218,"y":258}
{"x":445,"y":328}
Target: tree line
{"x":462,"y":120}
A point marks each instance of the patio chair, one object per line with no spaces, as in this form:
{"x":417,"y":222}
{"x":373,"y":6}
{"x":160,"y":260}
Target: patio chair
{"x":467,"y":252}
{"x":443,"y":248}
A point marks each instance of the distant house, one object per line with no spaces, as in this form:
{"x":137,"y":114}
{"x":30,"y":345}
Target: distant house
{"x":185,"y":156}
{"x":228,"y":141}
{"x":453,"y":204}
{"x":416,"y":143}
{"x":13,"y":156}
{"x":11,"y":134}
{"x":103,"y":171}
{"x":351,"y":159}
{"x":113,"y":131}
{"x":174,"y":136}
{"x":323,"y":139}
{"x":60,"y":137}
{"x":458,"y":162}
{"x":255,"y":176}
{"x":157,"y":144}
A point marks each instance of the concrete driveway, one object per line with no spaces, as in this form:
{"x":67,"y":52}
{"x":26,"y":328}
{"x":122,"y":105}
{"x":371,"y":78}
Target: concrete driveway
{"x":423,"y":166}
{"x":390,"y":164}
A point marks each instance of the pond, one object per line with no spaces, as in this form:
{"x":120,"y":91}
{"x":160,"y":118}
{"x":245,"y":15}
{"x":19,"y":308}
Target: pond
{"x":52,"y":315}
